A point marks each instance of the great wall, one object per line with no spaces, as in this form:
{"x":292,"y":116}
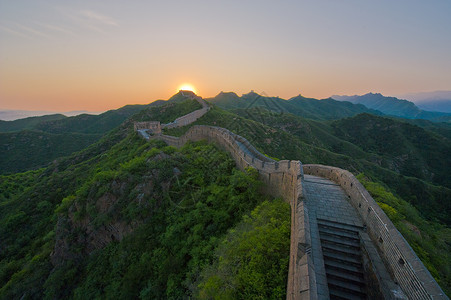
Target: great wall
{"x":343,"y":246}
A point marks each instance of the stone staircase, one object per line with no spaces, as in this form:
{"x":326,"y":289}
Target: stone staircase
{"x":340,"y":244}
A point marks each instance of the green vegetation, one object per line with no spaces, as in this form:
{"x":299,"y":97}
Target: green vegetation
{"x":431,"y":241}
{"x":25,"y":150}
{"x":252,"y":260}
{"x":409,"y":149}
{"x":122,"y":219}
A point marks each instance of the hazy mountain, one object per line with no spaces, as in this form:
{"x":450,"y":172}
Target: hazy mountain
{"x":395,"y":107}
{"x":433,"y":101}
{"x":11,"y":115}
{"x":425,"y":96}
{"x":27,"y":123}
{"x":435,"y":105}
{"x":81,"y":123}
{"x":326,"y":109}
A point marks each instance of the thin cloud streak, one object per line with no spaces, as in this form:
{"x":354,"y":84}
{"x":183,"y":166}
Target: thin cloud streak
{"x":99,"y":18}
{"x":90,"y":20}
{"x":14,"y":32}
{"x":33,"y":31}
{"x":57,"y":28}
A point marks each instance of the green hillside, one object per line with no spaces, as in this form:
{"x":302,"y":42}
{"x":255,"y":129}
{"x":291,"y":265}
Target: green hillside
{"x":31,"y":149}
{"x":27,"y":123}
{"x":92,"y":124}
{"x":407,"y":149}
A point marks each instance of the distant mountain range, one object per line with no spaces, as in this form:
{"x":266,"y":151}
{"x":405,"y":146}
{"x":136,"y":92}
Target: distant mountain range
{"x":326,"y":109}
{"x":11,"y":115}
{"x":433,"y":101}
{"x":395,"y":107}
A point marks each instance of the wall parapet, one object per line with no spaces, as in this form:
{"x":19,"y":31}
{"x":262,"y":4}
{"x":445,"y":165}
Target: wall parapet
{"x":408,"y":270}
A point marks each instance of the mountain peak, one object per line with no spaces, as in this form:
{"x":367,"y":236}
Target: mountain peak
{"x":183,"y":95}
{"x":231,"y":94}
{"x":188,"y":93}
{"x":250,"y":94}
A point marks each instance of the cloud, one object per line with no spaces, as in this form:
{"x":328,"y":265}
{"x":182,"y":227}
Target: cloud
{"x":33,"y":31}
{"x":91,"y":20}
{"x":13,"y":32}
{"x":56,"y":28}
{"x":98,"y":18}
{"x":23,"y":31}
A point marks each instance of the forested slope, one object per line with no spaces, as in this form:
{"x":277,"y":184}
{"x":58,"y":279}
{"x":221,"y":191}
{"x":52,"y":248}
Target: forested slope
{"x":126,"y":218}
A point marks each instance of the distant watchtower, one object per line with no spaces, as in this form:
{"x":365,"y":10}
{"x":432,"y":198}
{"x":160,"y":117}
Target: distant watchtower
{"x":153,"y":126}
{"x":189,"y":94}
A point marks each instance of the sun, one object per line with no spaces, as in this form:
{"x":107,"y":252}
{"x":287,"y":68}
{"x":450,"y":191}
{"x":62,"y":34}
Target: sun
{"x":187,"y":87}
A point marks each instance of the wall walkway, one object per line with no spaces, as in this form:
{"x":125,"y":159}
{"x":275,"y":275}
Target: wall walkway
{"x":399,"y":258}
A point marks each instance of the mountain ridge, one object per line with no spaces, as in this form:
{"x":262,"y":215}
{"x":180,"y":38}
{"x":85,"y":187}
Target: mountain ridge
{"x":395,"y":107}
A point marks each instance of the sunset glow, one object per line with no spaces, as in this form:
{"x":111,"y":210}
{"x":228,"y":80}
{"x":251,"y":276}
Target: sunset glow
{"x":187,"y":87}
{"x":100,"y":55}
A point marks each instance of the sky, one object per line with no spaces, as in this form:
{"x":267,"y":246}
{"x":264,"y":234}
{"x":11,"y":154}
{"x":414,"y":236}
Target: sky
{"x":100,"y":55}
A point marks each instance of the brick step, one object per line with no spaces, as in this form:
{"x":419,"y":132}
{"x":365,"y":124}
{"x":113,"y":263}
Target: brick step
{"x":351,"y":278}
{"x":334,"y":238}
{"x":343,"y":258}
{"x":351,"y":227}
{"x":341,"y":250}
{"x":342,"y":295}
{"x":340,"y":246}
{"x":352,"y":289}
{"x":338,"y":232}
{"x":343,"y":268}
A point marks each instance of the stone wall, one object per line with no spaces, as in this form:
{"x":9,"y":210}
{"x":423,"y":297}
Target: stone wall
{"x":282,"y":179}
{"x":407,"y":269}
{"x":191,"y":117}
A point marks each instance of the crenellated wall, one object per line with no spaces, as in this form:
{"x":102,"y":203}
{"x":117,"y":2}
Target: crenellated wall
{"x":404,"y":265}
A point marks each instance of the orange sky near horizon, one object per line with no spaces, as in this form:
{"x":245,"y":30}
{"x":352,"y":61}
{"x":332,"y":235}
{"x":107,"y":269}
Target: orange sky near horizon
{"x":95,"y":56}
